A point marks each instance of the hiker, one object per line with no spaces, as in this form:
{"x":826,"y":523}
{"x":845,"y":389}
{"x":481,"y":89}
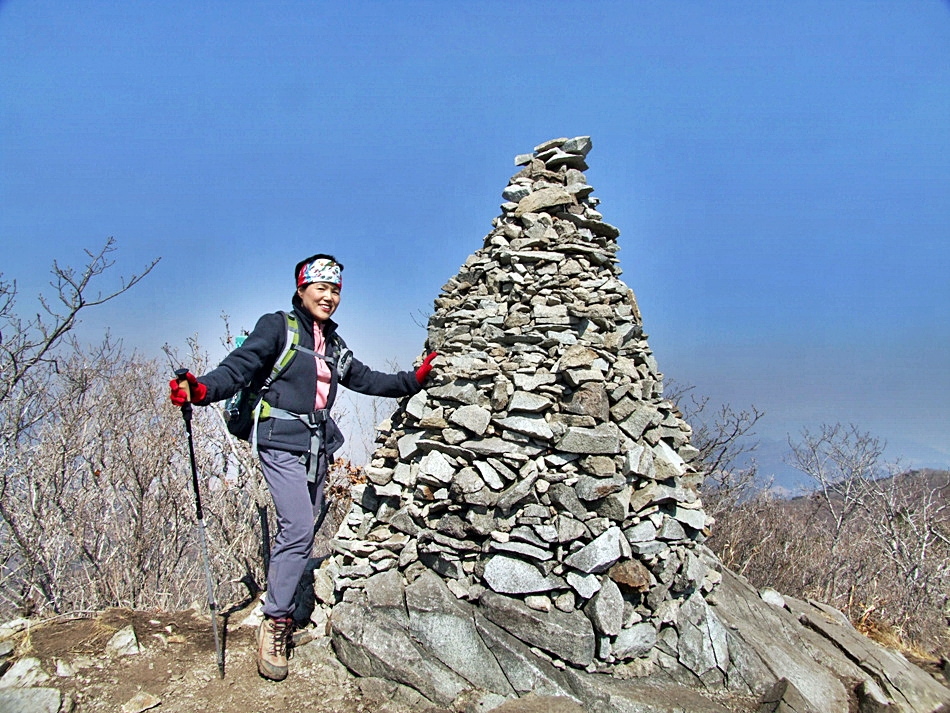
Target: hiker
{"x":293,"y":433}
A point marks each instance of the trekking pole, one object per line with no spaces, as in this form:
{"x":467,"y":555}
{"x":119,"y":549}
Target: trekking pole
{"x":186,"y":415}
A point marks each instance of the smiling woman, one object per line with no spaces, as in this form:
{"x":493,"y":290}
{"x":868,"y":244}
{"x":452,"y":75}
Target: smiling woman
{"x":295,"y":436}
{"x":319,"y":281}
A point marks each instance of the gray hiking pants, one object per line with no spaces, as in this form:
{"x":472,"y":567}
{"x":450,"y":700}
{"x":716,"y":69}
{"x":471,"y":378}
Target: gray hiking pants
{"x":298,"y":504}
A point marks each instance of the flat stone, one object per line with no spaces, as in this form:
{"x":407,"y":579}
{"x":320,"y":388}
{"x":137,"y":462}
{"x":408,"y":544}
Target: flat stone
{"x":635,"y":641}
{"x":665,"y":493}
{"x":378,"y":476}
{"x":526,"y":672}
{"x":597,"y":227}
{"x":444,"y":627}
{"x":526,"y":401}
{"x":386,"y":590}
{"x":402,"y":474}
{"x":522,"y":489}
{"x":580,"y":377}
{"x":562,"y":158}
{"x":373,"y":645}
{"x":671,"y":530}
{"x":465,"y":394}
{"x":636,"y":423}
{"x":577,"y":356}
{"x":499,"y":447}
{"x":543,"y":198}
{"x":523,"y":549}
{"x":604,"y":439}
{"x":435,"y":465}
{"x":447,"y":449}
{"x":590,"y":488}
{"x":408,"y":445}
{"x":516,"y":192}
{"x":631,"y":575}
{"x":568,"y":636}
{"x":605,"y":609}
{"x":416,"y":406}
{"x":564,"y":497}
{"x":589,"y":400}
{"x":696,"y":519}
{"x":473,"y":418}
{"x":489,"y":475}
{"x":586,"y":585}
{"x":123,"y":643}
{"x":533,"y":426}
{"x":402,"y":520}
{"x":569,"y":529}
{"x":140,"y":702}
{"x":30,"y":700}
{"x":24,"y":673}
{"x":323,"y":587}
{"x":550,"y":144}
{"x":510,"y":575}
{"x":547,"y":533}
{"x":641,"y":532}
{"x":531,"y":382}
{"x":645,"y":549}
{"x":467,"y":480}
{"x":668,"y":462}
{"x":643,"y":497}
{"x":391,"y":490}
{"x":578,"y":145}
{"x":601,"y":552}
{"x":535,"y":256}
{"x":546,"y":313}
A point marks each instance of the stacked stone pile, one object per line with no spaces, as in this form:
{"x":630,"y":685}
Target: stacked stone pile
{"x":540,"y":493}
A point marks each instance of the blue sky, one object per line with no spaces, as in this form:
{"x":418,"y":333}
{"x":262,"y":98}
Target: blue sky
{"x":780,"y":174}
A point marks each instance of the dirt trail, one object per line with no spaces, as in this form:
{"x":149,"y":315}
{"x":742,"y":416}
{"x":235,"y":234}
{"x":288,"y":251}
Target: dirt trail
{"x":177,"y":665}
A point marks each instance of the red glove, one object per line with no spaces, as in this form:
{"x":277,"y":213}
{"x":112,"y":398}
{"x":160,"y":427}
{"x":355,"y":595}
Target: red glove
{"x":423,"y":371}
{"x":180,"y":395}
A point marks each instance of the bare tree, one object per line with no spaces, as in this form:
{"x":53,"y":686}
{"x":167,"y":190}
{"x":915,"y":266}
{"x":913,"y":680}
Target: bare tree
{"x":725,"y":440}
{"x":31,"y":355}
{"x":882,"y":533}
{"x":840,"y":461}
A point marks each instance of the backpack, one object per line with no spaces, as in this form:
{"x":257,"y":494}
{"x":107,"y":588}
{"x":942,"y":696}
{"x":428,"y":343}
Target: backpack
{"x":242,"y":411}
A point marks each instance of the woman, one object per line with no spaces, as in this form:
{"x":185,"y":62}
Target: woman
{"x":295,"y":436}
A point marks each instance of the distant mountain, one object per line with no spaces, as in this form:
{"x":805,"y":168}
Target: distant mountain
{"x":771,"y":454}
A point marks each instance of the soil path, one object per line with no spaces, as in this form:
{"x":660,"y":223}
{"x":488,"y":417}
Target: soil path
{"x":177,"y":666}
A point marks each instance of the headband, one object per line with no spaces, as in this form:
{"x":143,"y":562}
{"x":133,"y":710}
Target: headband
{"x":321,"y":270}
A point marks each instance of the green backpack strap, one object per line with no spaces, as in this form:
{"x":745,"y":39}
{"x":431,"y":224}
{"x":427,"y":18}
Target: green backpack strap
{"x":291,"y":345}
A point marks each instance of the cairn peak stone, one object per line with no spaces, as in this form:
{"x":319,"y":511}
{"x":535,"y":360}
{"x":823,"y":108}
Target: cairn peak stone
{"x":526,"y":481}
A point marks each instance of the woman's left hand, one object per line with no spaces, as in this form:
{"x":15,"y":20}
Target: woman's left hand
{"x":423,"y":371}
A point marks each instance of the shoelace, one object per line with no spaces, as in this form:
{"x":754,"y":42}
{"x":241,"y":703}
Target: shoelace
{"x":280,"y":630}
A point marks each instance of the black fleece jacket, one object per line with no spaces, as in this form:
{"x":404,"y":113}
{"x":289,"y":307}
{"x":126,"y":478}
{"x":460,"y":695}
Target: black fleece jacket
{"x":295,"y":390}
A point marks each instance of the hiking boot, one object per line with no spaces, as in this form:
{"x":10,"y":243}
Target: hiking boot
{"x":272,"y":636}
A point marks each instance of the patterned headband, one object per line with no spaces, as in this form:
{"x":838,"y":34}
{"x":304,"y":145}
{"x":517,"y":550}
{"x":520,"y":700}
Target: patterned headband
{"x":321,"y":270}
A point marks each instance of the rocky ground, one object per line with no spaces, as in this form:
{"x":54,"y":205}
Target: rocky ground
{"x":175,"y":670}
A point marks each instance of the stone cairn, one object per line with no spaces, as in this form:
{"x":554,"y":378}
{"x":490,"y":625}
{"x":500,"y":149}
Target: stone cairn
{"x":532,"y":515}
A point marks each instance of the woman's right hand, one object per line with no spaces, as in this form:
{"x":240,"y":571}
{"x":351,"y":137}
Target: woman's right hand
{"x":187,"y":388}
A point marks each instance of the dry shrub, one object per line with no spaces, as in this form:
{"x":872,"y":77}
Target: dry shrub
{"x":869,"y":539}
